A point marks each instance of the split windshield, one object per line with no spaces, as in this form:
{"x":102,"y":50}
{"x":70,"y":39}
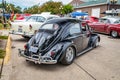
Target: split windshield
{"x":50,"y":26}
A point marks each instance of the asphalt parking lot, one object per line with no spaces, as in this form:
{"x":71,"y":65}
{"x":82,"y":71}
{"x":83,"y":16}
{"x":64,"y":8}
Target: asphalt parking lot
{"x":102,"y":63}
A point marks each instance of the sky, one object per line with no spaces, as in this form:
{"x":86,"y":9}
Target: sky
{"x":28,"y":3}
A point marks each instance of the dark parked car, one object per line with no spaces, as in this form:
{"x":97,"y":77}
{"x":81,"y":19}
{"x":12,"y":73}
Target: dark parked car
{"x":60,"y":40}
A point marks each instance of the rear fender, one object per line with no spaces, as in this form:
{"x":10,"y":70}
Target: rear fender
{"x":64,"y":47}
{"x":56,"y":49}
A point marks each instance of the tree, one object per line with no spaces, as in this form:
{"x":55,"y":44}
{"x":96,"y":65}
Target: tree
{"x":11,"y":8}
{"x":32,"y":10}
{"x":50,"y":6}
{"x":17,"y":9}
{"x":67,"y":9}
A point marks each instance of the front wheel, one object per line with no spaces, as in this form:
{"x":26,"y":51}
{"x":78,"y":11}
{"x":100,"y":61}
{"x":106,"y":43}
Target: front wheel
{"x":69,"y":56}
{"x":96,"y":43}
{"x":114,"y":34}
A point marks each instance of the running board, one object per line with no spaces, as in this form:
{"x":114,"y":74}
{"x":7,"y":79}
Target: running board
{"x":88,"y":49}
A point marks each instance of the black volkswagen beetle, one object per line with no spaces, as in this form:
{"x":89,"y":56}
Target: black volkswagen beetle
{"x":60,"y":40}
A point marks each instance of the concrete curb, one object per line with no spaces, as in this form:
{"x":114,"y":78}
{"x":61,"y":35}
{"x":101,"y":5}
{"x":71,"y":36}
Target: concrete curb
{"x":8,"y":51}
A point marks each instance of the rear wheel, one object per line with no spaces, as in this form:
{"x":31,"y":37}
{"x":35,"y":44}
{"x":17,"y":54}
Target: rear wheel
{"x":114,"y":34}
{"x":69,"y":56}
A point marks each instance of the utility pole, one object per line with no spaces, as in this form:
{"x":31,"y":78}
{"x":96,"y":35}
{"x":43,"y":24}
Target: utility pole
{"x":3,"y":7}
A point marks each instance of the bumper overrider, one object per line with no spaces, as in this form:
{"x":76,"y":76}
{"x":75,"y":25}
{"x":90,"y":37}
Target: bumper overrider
{"x":38,"y":59}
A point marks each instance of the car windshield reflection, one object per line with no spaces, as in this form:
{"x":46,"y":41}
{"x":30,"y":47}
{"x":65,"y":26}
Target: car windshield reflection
{"x":36,"y":19}
{"x":117,"y":21}
{"x":50,"y":26}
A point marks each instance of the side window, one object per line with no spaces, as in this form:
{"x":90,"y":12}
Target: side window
{"x":84,"y":27}
{"x":104,"y":20}
{"x":32,"y":19}
{"x":117,"y":21}
{"x":75,"y":29}
{"x":40,"y":19}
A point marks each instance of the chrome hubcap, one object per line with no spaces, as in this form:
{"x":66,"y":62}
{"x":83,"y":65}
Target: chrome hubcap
{"x":97,"y":42}
{"x":69,"y":54}
{"x":114,"y":33}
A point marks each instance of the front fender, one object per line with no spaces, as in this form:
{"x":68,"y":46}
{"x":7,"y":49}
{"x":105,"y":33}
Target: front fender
{"x":93,"y":39}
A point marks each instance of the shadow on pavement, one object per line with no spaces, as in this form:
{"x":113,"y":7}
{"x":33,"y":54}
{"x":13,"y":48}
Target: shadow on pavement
{"x":45,"y":67}
{"x":113,"y":38}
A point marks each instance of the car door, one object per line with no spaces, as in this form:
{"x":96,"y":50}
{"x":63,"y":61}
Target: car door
{"x":104,"y":25}
{"x":85,"y":35}
{"x":99,"y":27}
{"x":75,"y":35}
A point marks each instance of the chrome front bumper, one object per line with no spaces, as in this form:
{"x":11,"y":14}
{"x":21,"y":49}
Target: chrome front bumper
{"x":38,"y":59}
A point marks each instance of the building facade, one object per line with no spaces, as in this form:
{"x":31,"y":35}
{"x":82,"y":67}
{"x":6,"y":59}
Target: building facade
{"x":76,"y":3}
{"x":97,"y":7}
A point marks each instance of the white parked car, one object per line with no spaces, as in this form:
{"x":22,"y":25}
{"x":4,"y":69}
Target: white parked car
{"x":29,"y":27}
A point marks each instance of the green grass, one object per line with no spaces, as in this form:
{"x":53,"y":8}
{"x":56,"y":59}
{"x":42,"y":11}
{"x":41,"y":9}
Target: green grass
{"x":3,"y":37}
{"x":2,"y":53}
{"x":1,"y":26}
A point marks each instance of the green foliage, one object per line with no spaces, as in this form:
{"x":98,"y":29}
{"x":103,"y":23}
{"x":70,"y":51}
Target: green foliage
{"x":31,"y":10}
{"x":67,"y":9}
{"x":2,"y":53}
{"x":1,"y":26}
{"x":3,"y":37}
{"x":50,"y":6}
{"x":1,"y":5}
{"x":11,"y":7}
{"x":53,"y":7}
{"x":17,"y":9}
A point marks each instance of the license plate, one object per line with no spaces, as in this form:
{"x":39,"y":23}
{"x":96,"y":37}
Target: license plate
{"x":33,"y":49}
{"x":19,"y":29}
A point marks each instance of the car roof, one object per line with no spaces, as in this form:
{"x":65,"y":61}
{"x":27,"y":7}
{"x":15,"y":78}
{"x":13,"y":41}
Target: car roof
{"x":61,"y":20}
{"x":45,"y":15}
{"x":112,"y":19}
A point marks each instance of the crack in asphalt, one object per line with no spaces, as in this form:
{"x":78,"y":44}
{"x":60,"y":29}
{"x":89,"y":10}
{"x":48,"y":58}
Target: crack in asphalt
{"x":85,"y":71}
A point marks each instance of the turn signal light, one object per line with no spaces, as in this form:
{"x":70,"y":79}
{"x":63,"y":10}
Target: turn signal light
{"x":25,"y":46}
{"x":52,"y":53}
{"x":30,"y":27}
